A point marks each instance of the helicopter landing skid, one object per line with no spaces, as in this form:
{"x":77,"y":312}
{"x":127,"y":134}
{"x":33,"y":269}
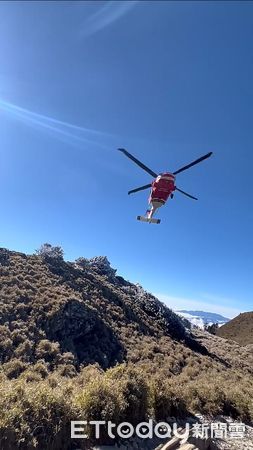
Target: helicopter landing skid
{"x":145,"y":219}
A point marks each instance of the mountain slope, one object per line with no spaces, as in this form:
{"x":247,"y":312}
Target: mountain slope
{"x":83,"y":307}
{"x":79,"y":342}
{"x":239,"y":329}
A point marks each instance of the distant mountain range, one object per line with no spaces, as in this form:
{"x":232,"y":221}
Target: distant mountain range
{"x":202,"y":318}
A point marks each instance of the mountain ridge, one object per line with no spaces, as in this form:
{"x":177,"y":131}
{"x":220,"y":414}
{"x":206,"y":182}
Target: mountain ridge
{"x":239,"y":329}
{"x":75,"y":315}
{"x":116,"y":350}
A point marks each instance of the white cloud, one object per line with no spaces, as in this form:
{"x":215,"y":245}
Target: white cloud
{"x":59,"y":128}
{"x":177,"y":303}
{"x":106,"y":15}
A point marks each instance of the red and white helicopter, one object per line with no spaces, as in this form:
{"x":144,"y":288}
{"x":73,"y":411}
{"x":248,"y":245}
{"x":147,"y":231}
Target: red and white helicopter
{"x":162,"y":187}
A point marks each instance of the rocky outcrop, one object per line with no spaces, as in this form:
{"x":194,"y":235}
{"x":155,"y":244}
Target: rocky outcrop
{"x":80,"y":331}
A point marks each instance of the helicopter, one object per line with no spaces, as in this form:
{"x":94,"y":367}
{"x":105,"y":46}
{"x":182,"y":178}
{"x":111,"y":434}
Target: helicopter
{"x":162,"y":187}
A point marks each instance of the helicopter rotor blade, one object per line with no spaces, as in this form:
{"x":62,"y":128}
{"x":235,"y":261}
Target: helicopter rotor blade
{"x":139,"y":163}
{"x":202,"y":158}
{"x":185,"y":193}
{"x":140,"y":188}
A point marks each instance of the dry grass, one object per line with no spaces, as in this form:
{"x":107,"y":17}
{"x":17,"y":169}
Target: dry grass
{"x":239,"y":329}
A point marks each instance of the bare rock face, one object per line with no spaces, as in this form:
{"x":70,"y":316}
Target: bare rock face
{"x":73,"y":319}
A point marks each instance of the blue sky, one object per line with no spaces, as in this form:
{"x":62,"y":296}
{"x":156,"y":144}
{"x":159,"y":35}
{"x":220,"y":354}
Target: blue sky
{"x":169,"y":81}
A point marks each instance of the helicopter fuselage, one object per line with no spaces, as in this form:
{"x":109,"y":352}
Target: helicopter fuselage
{"x":161,"y":189}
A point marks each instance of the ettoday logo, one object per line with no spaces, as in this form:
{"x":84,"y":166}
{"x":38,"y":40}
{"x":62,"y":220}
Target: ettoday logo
{"x":161,"y":430}
{"x":125,"y":430}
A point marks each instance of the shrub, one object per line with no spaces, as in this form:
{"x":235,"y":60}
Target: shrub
{"x":89,"y":373}
{"x":82,"y":262}
{"x":41,"y":368}
{"x":24,"y":350}
{"x":36,"y":372}
{"x":237,"y":404}
{"x":134,"y":389}
{"x":14,"y":368}
{"x":101,"y":399}
{"x":67,"y":370}
{"x":47,"y":350}
{"x":47,"y":251}
{"x":210,"y":398}
{"x":17,"y":337}
{"x":166,"y":400}
{"x":67,"y":358}
{"x":35,"y":416}
{"x":5,"y":349}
